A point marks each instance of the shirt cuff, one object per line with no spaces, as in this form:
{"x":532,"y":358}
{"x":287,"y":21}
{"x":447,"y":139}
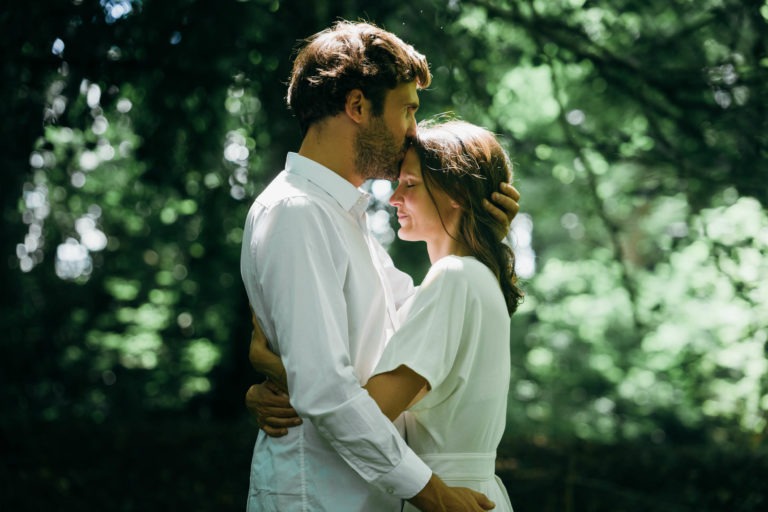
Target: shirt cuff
{"x":407,"y":479}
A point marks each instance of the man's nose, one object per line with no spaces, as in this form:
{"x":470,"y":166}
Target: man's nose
{"x":412,"y":131}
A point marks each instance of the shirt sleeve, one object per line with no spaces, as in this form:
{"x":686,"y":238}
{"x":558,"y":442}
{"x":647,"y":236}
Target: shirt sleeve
{"x":429,"y":338}
{"x":301,"y":283}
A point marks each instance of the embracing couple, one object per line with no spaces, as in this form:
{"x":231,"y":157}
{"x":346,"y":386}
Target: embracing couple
{"x":370,"y":360}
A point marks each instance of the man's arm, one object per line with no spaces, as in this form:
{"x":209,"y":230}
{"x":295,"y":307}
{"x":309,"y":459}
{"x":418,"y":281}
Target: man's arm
{"x":393,"y":392}
{"x":295,"y":289}
{"x":438,"y":497}
{"x":396,"y":391}
{"x":274,"y":415}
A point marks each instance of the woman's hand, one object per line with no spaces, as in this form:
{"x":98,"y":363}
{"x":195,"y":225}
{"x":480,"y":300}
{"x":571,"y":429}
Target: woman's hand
{"x":271,"y":408}
{"x":263,"y":359}
{"x":268,"y":402}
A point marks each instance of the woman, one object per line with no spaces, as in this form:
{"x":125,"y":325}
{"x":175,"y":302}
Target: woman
{"x":448,"y":366}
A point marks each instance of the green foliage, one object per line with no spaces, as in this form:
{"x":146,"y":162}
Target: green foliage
{"x":646,"y":315}
{"x":697,"y":352}
{"x":639,"y":133}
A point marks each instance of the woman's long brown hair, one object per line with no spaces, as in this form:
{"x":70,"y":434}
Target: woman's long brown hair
{"x":468,"y":163}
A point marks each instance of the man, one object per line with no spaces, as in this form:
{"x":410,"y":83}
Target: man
{"x":327,"y":293}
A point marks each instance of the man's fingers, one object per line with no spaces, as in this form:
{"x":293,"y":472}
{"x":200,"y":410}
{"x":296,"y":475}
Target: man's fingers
{"x":487,"y":505}
{"x":483,"y":501}
{"x":511,"y":191}
{"x":503,"y":205}
{"x":506,"y":204}
{"x":499,"y":215}
{"x":474,"y":500}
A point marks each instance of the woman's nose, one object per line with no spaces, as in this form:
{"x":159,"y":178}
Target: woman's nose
{"x":394,"y":199}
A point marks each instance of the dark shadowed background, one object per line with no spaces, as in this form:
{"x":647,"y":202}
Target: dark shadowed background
{"x":134,"y":134}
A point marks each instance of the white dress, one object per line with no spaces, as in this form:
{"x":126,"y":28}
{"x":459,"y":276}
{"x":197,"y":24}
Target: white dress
{"x":455,"y":334}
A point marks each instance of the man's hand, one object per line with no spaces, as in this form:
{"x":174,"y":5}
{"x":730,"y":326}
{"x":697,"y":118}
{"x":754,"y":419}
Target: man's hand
{"x":503,"y":208}
{"x":438,"y":497}
{"x":271,"y":408}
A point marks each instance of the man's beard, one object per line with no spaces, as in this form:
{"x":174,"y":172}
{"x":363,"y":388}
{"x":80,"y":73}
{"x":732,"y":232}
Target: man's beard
{"x":377,"y":155}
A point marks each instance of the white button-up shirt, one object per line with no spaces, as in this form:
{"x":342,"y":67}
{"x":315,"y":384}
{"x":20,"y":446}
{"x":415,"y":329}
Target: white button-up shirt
{"x":325,"y":293}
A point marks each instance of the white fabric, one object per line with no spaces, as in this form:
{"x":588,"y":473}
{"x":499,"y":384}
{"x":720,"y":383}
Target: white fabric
{"x":314,"y":277}
{"x":472,"y":470}
{"x":455,"y":333}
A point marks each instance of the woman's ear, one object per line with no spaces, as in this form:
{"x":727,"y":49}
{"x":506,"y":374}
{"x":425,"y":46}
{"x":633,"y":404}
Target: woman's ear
{"x":355,"y":105}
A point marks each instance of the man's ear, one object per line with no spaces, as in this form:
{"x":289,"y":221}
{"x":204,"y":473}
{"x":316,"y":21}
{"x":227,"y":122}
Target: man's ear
{"x":356,"y":105}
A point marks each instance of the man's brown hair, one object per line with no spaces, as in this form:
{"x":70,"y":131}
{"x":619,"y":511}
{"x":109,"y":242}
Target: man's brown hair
{"x":350,"y":56}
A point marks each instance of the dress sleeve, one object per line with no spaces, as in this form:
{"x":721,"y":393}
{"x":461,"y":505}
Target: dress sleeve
{"x":304,"y":305}
{"x":429,"y":338}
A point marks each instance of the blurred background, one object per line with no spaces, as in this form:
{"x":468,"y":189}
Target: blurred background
{"x":135,"y":134}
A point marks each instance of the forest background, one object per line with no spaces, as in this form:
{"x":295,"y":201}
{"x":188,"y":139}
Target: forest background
{"x":136,"y":133}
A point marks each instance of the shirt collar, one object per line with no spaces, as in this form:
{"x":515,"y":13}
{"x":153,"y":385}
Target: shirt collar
{"x":347,"y":195}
